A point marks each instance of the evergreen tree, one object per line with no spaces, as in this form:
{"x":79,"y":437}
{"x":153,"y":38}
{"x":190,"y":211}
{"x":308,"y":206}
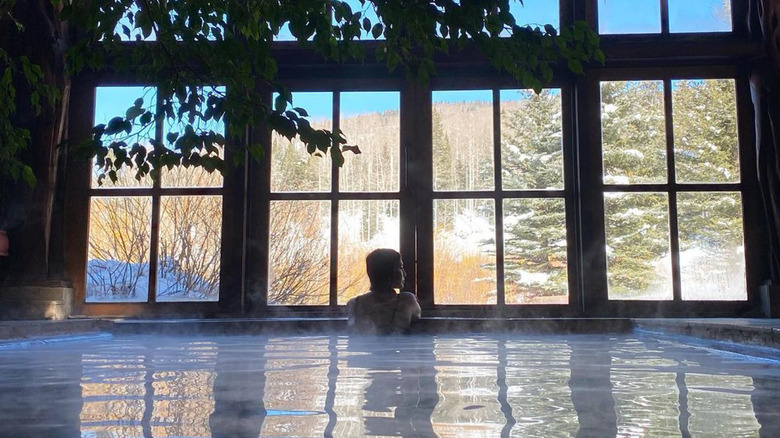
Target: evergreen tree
{"x":535,"y":229}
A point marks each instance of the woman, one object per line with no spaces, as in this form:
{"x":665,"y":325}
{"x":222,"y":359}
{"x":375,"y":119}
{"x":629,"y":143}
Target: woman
{"x":382,"y":310}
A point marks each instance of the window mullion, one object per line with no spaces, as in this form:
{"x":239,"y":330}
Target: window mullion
{"x":156,"y":193}
{"x":665,"y":17}
{"x":499,"y":202}
{"x":674,"y":242}
{"x":334,"y":206}
{"x":408,"y":188}
{"x":421,"y":105}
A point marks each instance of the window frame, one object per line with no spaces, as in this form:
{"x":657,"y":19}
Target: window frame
{"x":594,"y":189}
{"x":738,"y":28}
{"x":427,"y":195}
{"x":79,"y":193}
{"x":260,"y":197}
{"x":246,"y":191}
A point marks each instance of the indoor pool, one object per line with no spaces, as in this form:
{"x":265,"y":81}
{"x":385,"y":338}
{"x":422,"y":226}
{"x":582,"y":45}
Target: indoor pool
{"x":415,"y":386}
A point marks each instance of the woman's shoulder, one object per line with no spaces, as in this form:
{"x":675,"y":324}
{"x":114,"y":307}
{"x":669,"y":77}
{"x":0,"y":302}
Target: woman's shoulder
{"x":407,"y":296}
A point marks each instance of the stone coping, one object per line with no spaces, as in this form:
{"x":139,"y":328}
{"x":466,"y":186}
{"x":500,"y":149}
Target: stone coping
{"x":755,"y":332}
{"x":27,"y":329}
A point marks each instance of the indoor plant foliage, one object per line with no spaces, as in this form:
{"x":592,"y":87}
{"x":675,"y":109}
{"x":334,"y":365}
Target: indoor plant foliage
{"x":189,"y":43}
{"x":212,"y":61}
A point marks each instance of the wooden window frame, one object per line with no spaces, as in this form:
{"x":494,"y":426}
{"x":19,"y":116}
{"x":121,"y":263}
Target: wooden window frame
{"x":247,"y":196}
{"x":595,"y":280}
{"x":79,"y":193}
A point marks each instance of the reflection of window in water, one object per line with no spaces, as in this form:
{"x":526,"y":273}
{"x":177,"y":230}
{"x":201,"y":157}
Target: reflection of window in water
{"x":467,"y":388}
{"x":296,"y":386}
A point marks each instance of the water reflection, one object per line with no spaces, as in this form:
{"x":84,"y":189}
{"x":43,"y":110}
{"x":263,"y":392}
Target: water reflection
{"x":390,"y":387}
{"x":413,"y":386}
{"x":239,"y":410}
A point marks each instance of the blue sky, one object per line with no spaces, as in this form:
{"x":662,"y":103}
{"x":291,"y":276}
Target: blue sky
{"x":644,"y":16}
{"x":615,"y":17}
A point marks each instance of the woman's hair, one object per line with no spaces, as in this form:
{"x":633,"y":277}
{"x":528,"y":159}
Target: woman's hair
{"x":381,"y":265}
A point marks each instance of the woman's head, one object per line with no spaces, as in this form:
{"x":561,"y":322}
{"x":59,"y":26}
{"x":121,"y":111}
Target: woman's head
{"x":385,"y":269}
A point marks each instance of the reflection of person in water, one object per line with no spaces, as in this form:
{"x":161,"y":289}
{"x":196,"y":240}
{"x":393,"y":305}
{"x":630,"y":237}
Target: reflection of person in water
{"x":401,"y":378}
{"x":382,"y":310}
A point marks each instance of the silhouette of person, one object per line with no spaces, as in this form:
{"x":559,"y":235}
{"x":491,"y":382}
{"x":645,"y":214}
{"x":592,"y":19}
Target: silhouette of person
{"x":382,"y":310}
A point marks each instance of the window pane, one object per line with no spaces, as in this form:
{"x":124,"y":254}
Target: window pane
{"x":293,"y":169}
{"x":629,"y":16}
{"x":118,"y":256}
{"x":531,"y":140}
{"x":712,"y":256}
{"x":700,"y":15}
{"x":462,"y":140}
{"x":535,"y":12}
{"x":299,"y":253}
{"x":113,"y":102}
{"x":637,"y":231}
{"x":188,"y":259}
{"x":363,"y":227}
{"x":464,"y":251}
{"x":535,"y":251}
{"x":372,"y":121}
{"x":633,"y":132}
{"x":195,"y":176}
{"x":705,"y":131}
{"x":284,"y":34}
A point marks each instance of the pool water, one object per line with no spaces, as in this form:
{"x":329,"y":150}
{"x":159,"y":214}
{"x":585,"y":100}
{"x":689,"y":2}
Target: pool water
{"x":500,"y":385}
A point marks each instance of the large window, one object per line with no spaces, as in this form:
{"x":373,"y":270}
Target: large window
{"x":672,"y":201}
{"x":153,"y":241}
{"x":324,"y":219}
{"x":499,"y":216}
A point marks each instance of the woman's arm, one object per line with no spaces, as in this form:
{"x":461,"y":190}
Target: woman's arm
{"x":412,"y":306}
{"x":351,"y":316}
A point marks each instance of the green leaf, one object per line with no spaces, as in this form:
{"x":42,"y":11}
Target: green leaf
{"x":28,"y":176}
{"x":280,"y":103}
{"x":575,"y":66}
{"x":256,"y":151}
{"x":599,"y":56}
{"x":337,"y":156}
{"x":376,"y":31}
{"x":133,"y":112}
{"x":115,"y":125}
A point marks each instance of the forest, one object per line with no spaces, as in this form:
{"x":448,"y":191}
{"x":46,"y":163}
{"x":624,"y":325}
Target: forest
{"x":637,"y":223}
